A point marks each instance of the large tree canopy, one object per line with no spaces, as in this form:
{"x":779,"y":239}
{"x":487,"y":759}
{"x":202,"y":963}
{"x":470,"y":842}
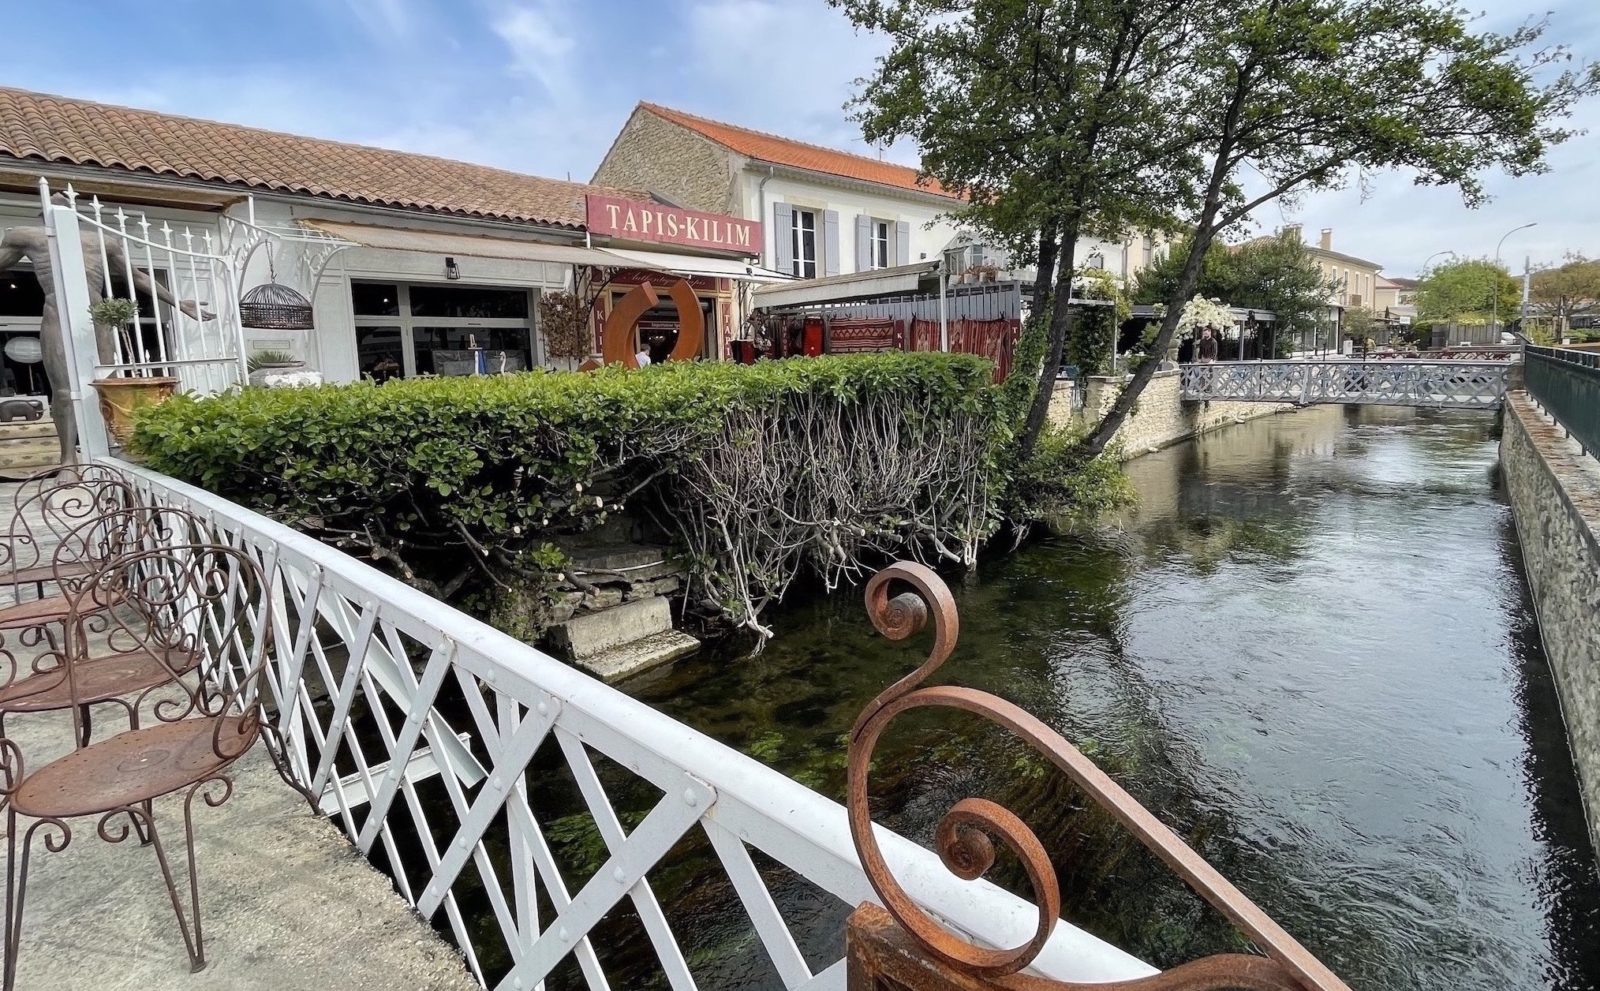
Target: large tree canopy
{"x":1465,"y":291}
{"x":1288,"y":96}
{"x":1269,"y":273}
{"x":1061,"y":118}
{"x":1567,"y":290}
{"x":1051,"y":116}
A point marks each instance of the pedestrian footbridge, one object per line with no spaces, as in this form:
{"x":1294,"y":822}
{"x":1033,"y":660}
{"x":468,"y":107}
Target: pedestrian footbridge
{"x":1458,"y":384}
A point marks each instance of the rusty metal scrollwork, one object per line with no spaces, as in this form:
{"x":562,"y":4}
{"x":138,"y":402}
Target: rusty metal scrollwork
{"x":966,"y":837}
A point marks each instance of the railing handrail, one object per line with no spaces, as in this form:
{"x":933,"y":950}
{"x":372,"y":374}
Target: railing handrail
{"x":1566,"y":384}
{"x":805,"y":831}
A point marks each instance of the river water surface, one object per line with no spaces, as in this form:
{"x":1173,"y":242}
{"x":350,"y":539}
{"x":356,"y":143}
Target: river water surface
{"x":1310,"y":650}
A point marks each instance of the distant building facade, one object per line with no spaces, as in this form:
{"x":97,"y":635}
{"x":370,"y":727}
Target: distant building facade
{"x":824,"y":212}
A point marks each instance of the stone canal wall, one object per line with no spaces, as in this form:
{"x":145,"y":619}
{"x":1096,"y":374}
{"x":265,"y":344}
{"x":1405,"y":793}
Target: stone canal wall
{"x":1160,"y":418}
{"x":1555,"y":497}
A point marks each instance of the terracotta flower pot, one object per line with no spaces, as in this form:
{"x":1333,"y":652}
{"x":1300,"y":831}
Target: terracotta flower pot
{"x":120,"y":397}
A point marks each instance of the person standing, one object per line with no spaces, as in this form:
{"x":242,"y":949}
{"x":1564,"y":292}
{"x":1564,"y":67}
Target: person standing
{"x":1207,"y":348}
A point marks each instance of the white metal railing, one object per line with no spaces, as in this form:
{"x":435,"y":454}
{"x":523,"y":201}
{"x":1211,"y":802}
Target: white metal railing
{"x":192,"y":330}
{"x":441,"y":694}
{"x":1399,"y":382}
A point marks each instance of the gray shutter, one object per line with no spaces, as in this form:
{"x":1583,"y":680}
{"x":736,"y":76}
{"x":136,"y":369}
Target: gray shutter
{"x":863,"y":242}
{"x":783,"y":238}
{"x":902,"y":242}
{"x":830,"y":242}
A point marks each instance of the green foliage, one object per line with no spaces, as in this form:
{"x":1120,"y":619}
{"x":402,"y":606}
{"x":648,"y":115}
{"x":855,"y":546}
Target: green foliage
{"x":1567,"y":290}
{"x":1464,"y":291}
{"x":262,"y":359}
{"x":1095,"y":328}
{"x":1279,"y":99}
{"x":1358,"y":324}
{"x":1064,"y":489}
{"x":1270,"y":273}
{"x":113,"y":312}
{"x":758,"y":470}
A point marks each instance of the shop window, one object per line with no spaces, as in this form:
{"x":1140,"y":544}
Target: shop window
{"x":803,"y":232}
{"x":469,"y":302}
{"x":455,"y":350}
{"x":20,"y":295}
{"x":380,"y":353}
{"x":375,"y":299}
{"x":427,"y":329}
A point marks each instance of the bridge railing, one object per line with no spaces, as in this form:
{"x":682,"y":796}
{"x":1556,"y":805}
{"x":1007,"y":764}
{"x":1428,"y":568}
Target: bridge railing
{"x":1401,"y":382}
{"x":1566,"y":383}
{"x":431,"y":739}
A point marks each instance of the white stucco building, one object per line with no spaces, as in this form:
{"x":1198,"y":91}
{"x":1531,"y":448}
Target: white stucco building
{"x":826,"y":212}
{"x":438,"y":253}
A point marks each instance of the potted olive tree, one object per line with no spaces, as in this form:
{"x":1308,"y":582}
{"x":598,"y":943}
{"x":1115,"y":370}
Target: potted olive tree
{"x":124,"y":391}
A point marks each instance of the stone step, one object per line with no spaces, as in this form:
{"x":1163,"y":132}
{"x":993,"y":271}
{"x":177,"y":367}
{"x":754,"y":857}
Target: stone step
{"x":630,"y":659}
{"x":594,"y":633}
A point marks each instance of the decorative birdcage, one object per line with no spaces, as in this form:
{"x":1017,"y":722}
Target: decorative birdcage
{"x":271,"y":306}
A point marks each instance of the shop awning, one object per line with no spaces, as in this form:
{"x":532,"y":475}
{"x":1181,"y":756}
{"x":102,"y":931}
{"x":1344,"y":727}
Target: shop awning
{"x":721,"y":268}
{"x":898,"y":280}
{"x":465,"y":245}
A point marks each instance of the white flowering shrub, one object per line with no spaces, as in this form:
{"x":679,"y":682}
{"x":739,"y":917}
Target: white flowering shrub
{"x":1200,"y":313}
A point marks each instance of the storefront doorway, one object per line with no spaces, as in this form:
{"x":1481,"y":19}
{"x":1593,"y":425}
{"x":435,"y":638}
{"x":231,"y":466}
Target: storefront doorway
{"x":409,"y":329}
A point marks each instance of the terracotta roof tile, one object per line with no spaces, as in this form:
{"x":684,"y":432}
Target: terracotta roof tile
{"x":766,"y":147}
{"x":78,"y":132}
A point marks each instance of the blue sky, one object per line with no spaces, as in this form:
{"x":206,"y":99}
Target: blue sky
{"x":541,"y":86}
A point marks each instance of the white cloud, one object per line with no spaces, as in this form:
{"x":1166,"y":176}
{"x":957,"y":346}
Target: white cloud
{"x":539,"y":48}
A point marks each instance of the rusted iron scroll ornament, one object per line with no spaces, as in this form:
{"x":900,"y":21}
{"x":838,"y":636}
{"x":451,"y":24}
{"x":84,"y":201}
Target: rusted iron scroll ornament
{"x":966,"y":837}
{"x":616,"y":339}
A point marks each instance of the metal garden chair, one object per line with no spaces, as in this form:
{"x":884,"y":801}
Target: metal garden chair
{"x":112,"y":672}
{"x":199,"y":602}
{"x":45,"y":509}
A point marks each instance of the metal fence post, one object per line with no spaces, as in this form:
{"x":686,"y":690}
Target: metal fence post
{"x":71,"y":291}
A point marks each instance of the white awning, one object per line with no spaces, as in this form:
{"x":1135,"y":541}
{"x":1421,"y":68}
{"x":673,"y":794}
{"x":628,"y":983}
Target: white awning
{"x":900,"y":279}
{"x":721,"y":268}
{"x":465,"y":245}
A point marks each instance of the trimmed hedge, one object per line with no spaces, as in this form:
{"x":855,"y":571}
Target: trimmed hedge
{"x":457,"y":480}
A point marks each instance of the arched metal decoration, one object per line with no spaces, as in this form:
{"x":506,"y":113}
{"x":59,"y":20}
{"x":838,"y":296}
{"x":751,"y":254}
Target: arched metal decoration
{"x":616,"y":341}
{"x":965,"y":840}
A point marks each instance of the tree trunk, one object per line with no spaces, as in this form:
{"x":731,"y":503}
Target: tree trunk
{"x":1060,"y":327}
{"x":1123,"y":406}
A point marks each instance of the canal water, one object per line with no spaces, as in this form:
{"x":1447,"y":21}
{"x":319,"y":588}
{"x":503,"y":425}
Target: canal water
{"x":1310,"y":650}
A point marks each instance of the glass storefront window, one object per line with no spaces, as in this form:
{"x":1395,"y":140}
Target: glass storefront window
{"x":375,"y":299}
{"x":380,"y":353}
{"x":448,"y":350}
{"x":469,"y":302}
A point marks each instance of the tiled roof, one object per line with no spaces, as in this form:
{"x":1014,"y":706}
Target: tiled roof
{"x":34,"y":126}
{"x":765,"y":147}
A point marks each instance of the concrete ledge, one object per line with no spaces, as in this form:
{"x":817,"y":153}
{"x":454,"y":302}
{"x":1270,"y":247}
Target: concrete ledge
{"x":1555,"y":500}
{"x":597,"y":632}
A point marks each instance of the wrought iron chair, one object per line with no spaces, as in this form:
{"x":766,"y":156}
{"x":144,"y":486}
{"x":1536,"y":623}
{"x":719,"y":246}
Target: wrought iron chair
{"x":45,"y":509}
{"x":195,"y":601}
{"x":108,"y":674}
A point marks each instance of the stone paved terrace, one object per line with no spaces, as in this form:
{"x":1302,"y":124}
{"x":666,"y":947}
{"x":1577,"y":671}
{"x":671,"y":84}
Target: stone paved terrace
{"x":287,"y":903}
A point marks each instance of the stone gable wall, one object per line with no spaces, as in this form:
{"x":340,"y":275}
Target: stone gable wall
{"x":660,"y":157}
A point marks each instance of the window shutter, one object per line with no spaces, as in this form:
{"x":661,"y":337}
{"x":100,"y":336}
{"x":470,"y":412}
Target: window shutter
{"x":902,"y":242}
{"x":830,"y":242}
{"x":783,"y":238}
{"x":863,"y":242}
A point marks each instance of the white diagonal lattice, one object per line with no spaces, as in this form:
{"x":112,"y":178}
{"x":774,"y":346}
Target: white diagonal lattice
{"x":418,"y":726}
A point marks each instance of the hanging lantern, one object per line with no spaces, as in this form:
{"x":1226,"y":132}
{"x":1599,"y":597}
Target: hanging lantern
{"x":273,"y":307}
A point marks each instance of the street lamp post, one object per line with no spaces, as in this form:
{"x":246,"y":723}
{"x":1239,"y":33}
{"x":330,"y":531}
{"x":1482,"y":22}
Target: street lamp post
{"x":1436,"y":254}
{"x":1494,"y":322}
